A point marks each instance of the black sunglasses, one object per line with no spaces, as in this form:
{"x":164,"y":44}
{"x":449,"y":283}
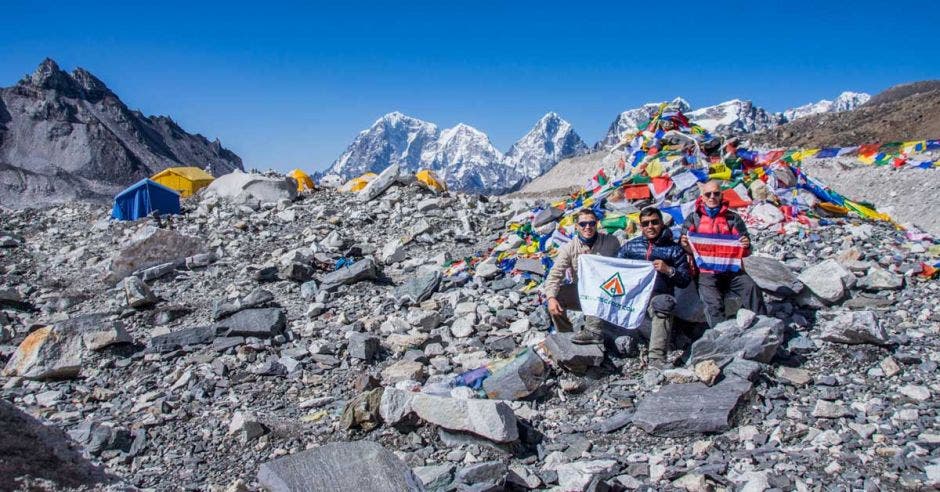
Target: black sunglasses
{"x":711,"y":193}
{"x":647,"y":223}
{"x":588,"y":223}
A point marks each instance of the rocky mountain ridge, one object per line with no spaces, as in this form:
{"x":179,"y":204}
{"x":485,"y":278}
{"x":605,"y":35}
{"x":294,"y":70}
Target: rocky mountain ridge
{"x":67,"y":137}
{"x":734,"y":117}
{"x":463,"y":156}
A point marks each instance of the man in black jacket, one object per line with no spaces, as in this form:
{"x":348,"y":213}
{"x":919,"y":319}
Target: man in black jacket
{"x":671,"y":263}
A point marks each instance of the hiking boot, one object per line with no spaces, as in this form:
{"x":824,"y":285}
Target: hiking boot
{"x":587,"y":337}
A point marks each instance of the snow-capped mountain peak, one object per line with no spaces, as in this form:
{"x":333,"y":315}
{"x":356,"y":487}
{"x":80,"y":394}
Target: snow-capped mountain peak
{"x":462,"y":155}
{"x":846,"y":101}
{"x":734,"y":117}
{"x":549,"y":141}
{"x":393,"y":138}
{"x":628,"y":120}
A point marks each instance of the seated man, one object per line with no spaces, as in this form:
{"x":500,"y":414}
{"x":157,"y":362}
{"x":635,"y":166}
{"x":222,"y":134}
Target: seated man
{"x":655,"y":244}
{"x":563,"y":297}
{"x":712,"y":216}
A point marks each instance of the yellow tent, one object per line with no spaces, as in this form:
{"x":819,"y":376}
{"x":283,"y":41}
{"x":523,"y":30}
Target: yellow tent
{"x":429,"y":179}
{"x":303,"y":180}
{"x":357,"y":184}
{"x":186,"y":180}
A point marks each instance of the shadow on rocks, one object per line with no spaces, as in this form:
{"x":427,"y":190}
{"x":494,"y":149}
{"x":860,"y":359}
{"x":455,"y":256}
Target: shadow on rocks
{"x":36,"y":456}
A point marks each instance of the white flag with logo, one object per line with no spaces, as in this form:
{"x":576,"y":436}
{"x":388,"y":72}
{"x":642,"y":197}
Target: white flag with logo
{"x":615,"y":290}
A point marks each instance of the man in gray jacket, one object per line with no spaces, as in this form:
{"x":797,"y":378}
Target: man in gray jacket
{"x":562,"y":297}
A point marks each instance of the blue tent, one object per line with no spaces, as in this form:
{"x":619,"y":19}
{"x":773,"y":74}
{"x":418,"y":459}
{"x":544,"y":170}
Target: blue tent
{"x":144,"y":197}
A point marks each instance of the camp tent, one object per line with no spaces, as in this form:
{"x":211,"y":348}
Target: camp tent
{"x":357,"y":184}
{"x":144,"y":197}
{"x":303,"y":180}
{"x":431,"y":180}
{"x":186,"y":180}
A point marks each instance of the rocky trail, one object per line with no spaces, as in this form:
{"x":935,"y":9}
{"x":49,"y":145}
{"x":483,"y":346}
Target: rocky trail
{"x":316,"y":344}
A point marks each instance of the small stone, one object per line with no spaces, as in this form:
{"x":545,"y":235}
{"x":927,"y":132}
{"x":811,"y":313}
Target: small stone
{"x":889,"y":366}
{"x":707,"y":372}
{"x":463,"y":326}
{"x":404,"y":370}
{"x":829,"y":410}
{"x":363,"y":346}
{"x":138,"y":295}
{"x":794,"y":376}
{"x":246,"y":426}
{"x":915,"y":392}
{"x":577,"y":476}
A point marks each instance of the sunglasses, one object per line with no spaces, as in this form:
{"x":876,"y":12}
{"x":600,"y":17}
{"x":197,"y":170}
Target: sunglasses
{"x":647,"y":223}
{"x":588,"y":223}
{"x":709,"y":194}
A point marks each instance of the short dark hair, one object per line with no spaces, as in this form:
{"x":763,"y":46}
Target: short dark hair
{"x":646,"y":212}
{"x":587,"y":211}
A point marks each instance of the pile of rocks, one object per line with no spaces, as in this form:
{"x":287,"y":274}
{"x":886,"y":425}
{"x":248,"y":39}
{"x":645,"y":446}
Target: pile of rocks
{"x":276,"y":344}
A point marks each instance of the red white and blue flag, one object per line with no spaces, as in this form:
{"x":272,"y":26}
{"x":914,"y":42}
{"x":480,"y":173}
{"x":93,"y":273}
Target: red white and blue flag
{"x":717,"y":252}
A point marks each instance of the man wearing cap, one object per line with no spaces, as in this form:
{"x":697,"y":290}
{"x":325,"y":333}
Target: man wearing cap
{"x":562,"y":297}
{"x":656,"y":244}
{"x":712,"y":216}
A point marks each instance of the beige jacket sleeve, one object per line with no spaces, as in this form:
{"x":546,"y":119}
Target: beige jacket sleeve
{"x":557,"y":274}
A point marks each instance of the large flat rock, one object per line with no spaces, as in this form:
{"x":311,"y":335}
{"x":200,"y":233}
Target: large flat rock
{"x":149,"y":247}
{"x":359,"y":465}
{"x":688,"y":409}
{"x":772,"y":276}
{"x":728,"y":340}
{"x":491,"y":419}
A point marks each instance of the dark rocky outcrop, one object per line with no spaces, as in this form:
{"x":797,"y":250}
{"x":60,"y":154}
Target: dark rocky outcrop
{"x":67,"y":137}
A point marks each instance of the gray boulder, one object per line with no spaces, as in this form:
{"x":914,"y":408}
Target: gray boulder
{"x":137,"y":293}
{"x":168,"y":342}
{"x":260,"y":323}
{"x":728,"y":340}
{"x":518,"y":379}
{"x":363,"y":269}
{"x":378,"y":185}
{"x":48,"y":353}
{"x":855,"y":327}
{"x":357,"y":465}
{"x":573,"y":356}
{"x":417,"y":289}
{"x":149,"y":247}
{"x":772,"y":276}
{"x":491,"y":419}
{"x":828,"y":280}
{"x":880,"y":279}
{"x":679,"y":410}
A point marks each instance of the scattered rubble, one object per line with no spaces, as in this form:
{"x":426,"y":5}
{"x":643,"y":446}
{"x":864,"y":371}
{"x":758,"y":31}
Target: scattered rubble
{"x":273,"y":344}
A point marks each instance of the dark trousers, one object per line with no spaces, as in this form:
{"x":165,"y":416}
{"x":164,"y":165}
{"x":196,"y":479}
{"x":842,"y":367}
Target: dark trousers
{"x":714,"y":287}
{"x":568,"y":298}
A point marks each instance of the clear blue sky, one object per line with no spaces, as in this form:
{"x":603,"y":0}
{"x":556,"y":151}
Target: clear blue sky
{"x":291,"y":84}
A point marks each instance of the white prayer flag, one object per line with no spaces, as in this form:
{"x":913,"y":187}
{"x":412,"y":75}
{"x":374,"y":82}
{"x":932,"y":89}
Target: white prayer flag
{"x":615,"y":290}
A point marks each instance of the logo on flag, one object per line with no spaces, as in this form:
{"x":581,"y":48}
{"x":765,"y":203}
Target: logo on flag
{"x":613,"y":286}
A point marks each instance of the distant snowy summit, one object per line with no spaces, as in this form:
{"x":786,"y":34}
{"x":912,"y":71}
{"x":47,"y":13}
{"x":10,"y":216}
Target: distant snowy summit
{"x":466,"y":159}
{"x":734,"y":117}
{"x":846,"y":101}
{"x":463,"y":156}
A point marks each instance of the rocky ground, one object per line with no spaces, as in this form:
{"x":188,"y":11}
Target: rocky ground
{"x":209,"y":350}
